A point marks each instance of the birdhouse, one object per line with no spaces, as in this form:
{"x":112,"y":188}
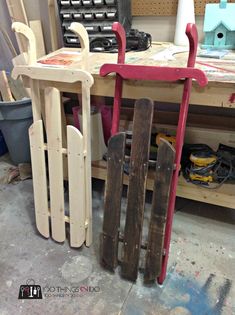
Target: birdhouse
{"x":219,"y":25}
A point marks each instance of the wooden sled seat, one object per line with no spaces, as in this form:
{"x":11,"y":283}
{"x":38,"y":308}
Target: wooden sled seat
{"x":131,"y":242}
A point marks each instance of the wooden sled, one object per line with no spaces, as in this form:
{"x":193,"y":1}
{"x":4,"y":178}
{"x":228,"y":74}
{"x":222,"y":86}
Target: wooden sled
{"x":74,"y":146}
{"x":167,"y":171}
{"x":138,"y":171}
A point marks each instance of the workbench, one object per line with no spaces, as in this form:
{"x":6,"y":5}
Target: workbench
{"x":220,"y":93}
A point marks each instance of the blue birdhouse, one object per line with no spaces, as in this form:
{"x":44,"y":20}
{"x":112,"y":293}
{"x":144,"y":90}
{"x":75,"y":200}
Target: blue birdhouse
{"x":219,"y":25}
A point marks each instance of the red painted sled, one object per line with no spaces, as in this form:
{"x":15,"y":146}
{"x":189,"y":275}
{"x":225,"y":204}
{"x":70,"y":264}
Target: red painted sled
{"x":167,"y":169}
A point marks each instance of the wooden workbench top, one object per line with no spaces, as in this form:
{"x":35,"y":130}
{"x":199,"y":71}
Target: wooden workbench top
{"x":160,"y":54}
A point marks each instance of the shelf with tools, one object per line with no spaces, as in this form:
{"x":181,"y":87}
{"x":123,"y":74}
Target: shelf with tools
{"x":223,"y":196}
{"x":198,"y":131}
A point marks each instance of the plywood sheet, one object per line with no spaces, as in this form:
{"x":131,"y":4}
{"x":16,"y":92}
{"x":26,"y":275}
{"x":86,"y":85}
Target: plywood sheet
{"x":167,"y":7}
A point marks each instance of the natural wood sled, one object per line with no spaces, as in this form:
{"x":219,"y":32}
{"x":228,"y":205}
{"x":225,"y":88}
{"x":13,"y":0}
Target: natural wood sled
{"x":75,"y":146}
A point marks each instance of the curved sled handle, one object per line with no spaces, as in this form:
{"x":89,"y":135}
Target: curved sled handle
{"x":23,"y":29}
{"x":120,"y":33}
{"x":192,"y":34}
{"x":82,"y":34}
{"x":154,"y":73}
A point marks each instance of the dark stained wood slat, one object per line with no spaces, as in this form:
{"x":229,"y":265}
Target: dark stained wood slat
{"x":112,"y":202}
{"x":142,"y":126}
{"x":162,"y":186}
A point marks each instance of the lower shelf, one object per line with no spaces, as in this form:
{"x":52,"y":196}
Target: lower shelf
{"x":223,"y":196}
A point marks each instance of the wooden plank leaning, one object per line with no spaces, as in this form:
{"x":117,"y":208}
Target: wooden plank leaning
{"x":140,"y":147}
{"x":112,"y":202}
{"x":161,"y":192}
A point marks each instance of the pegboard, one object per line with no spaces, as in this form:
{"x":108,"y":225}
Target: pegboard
{"x":166,"y":7}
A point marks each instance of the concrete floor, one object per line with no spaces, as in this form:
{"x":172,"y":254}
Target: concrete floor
{"x":200,"y":274}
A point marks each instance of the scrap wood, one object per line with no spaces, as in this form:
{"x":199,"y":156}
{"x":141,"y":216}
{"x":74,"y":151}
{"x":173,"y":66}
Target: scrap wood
{"x":22,"y":60}
{"x":208,"y":65}
{"x":17,"y":13}
{"x":17,"y":88}
{"x":53,"y":25}
{"x":36,"y":27}
{"x":17,"y":173}
{"x":8,"y":41}
{"x":25,"y":171}
{"x":12,"y":175}
{"x":5,"y":88}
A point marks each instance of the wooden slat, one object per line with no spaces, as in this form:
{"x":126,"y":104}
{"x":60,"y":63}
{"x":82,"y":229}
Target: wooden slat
{"x":161,"y":192}
{"x":39,"y":177}
{"x":36,"y":27}
{"x":65,"y":75}
{"x":64,"y":139}
{"x":112,"y":202}
{"x":25,"y":30}
{"x":76,"y":187}
{"x":17,"y":88}
{"x":86,"y":123}
{"x":18,"y":14}
{"x":136,"y":191}
{"x":82,"y":34}
{"x":55,"y":161}
{"x":166,"y":7}
{"x":98,"y":147}
{"x":21,"y":59}
{"x":5,"y":88}
{"x":36,"y":100}
{"x":53,"y":25}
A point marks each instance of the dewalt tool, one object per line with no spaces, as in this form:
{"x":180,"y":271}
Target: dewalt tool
{"x":202,"y":166}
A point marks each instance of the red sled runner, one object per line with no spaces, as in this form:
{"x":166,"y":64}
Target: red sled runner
{"x":166,"y":174}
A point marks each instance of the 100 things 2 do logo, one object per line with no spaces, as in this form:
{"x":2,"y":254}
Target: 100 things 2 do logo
{"x":30,"y":291}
